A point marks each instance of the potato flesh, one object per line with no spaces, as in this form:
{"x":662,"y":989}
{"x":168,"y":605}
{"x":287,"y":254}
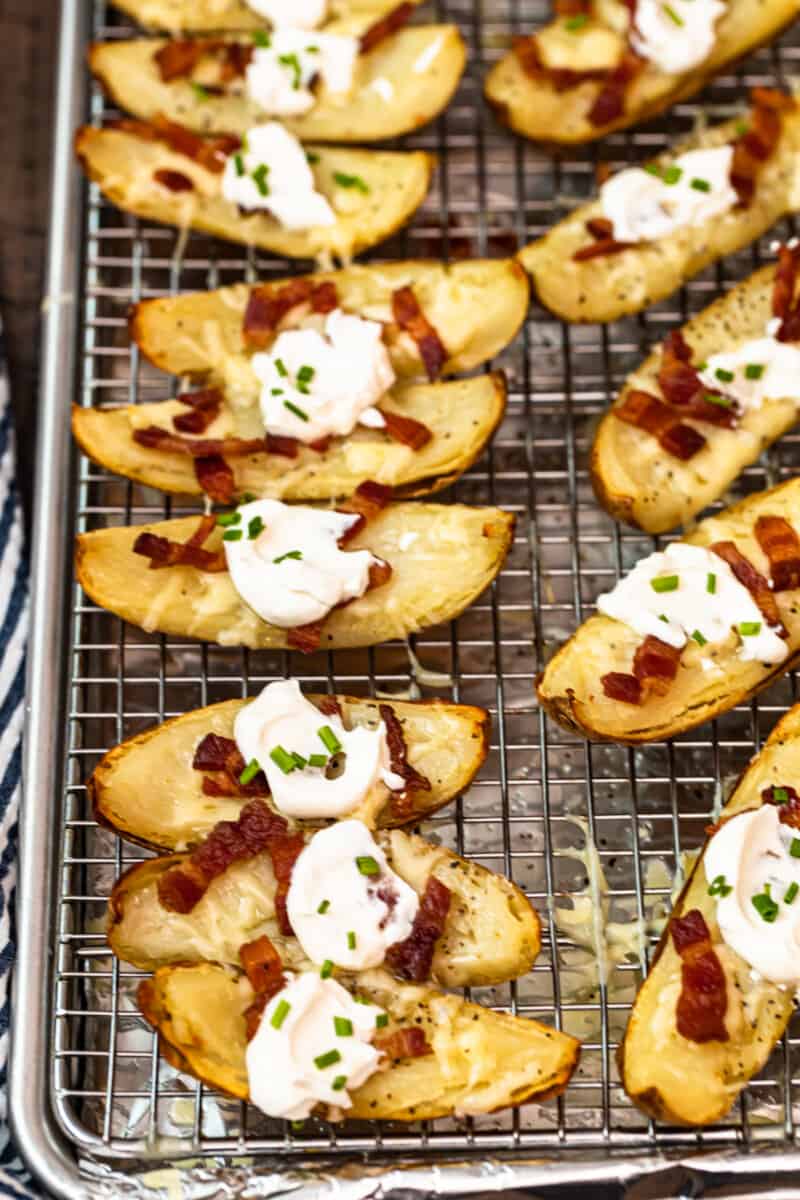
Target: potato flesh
{"x":211,"y":16}
{"x":570,"y":687}
{"x":123,"y":165}
{"x":666,"y":1074}
{"x":130,"y":74}
{"x":482,"y":1060}
{"x":461,"y":415}
{"x":639,"y":482}
{"x":458,"y":552}
{"x":446,"y":743}
{"x":603,"y":289}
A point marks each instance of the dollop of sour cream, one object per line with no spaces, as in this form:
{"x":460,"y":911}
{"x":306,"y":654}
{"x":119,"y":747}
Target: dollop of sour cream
{"x":300,"y":14}
{"x":278,"y":76}
{"x":312,"y":1046}
{"x":751,"y":856}
{"x":675,"y":35}
{"x":345,"y":902}
{"x":644,"y":205}
{"x":756,"y":371}
{"x":271,"y":173}
{"x":287,"y":564}
{"x":281,"y":719}
{"x":316,"y":384}
{"x":687,"y":592}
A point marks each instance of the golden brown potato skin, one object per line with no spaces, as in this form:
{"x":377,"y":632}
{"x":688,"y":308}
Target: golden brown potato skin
{"x":603,"y":289}
{"x":198,"y":1011}
{"x":666,"y":1075}
{"x":130,"y":76}
{"x":641,"y":484}
{"x":209,"y":16}
{"x":535,"y":109}
{"x":123,"y":166}
{"x":458,"y":552}
{"x":447,"y":743}
{"x":570,"y":689}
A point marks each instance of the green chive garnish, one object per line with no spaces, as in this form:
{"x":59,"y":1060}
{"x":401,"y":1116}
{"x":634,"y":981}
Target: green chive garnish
{"x":343,"y":1027}
{"x":764,"y":905}
{"x":382,"y":1020}
{"x":653,"y":169}
{"x":293,"y":63}
{"x":671,"y":174}
{"x":299,"y":761}
{"x":790,"y":893}
{"x":780,"y":795}
{"x":232,"y":535}
{"x":296,"y":554}
{"x":673,"y":16}
{"x":280,"y":367}
{"x":724,"y":376}
{"x":338,"y":1083}
{"x":318,"y":760}
{"x":700,"y":185}
{"x":326,"y":970}
{"x":698,"y":637}
{"x":719,"y":887}
{"x":329,"y":739}
{"x":711,"y":583}
{"x":262,"y":39}
{"x":323,"y":907}
{"x":250,"y":771}
{"x":229,"y":518}
{"x":573,"y":24}
{"x":749,"y":628}
{"x":238,"y":163}
{"x":327,"y":1059}
{"x":255,"y":526}
{"x":794,"y":848}
{"x":665,"y":583}
{"x":276,"y":391}
{"x":198,"y":89}
{"x":305,"y":374}
{"x":283,"y":759}
{"x":298,"y":412}
{"x":367,"y":865}
{"x":351,"y":937}
{"x":280,"y":1014}
{"x":311,"y":157}
{"x":350,"y":181}
{"x":754,"y":370}
{"x":720,"y":401}
{"x":260,"y":178}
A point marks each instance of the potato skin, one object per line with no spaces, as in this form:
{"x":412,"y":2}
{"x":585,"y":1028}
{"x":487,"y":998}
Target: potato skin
{"x":702,"y":1082}
{"x":198,"y":1011}
{"x":447,"y":743}
{"x":208,"y":16}
{"x":569,"y":688}
{"x":536,"y":110}
{"x":459,"y":551}
{"x":603,"y":289}
{"x":131,"y":78}
{"x":123,"y":166}
{"x":642,"y":485}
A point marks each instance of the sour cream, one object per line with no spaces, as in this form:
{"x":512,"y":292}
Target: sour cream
{"x":345,"y":902}
{"x":299,"y":14}
{"x":643,"y":206}
{"x":271,"y":173}
{"x":751,"y":855}
{"x":691,"y":608}
{"x":282,"y":717}
{"x":312,"y":575}
{"x":333,"y":378}
{"x":675,"y":35}
{"x":762,"y":369}
{"x":278,"y":76}
{"x":297,"y":1059}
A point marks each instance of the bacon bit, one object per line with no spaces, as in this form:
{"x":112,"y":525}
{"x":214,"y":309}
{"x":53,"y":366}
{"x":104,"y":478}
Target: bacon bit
{"x":267,"y":307}
{"x":562,"y":79}
{"x":411,"y":959}
{"x":174,"y":181}
{"x":179,"y":56}
{"x":655,"y":665}
{"x":253,"y":1014}
{"x":398,"y":752}
{"x":163,"y":552}
{"x":379,"y":30}
{"x":609,"y":104}
{"x":617,"y":685}
{"x":789,"y":809}
{"x":367,"y":501}
{"x":209,"y":152}
{"x":329,"y":706}
{"x":380,"y":572}
{"x":410,"y":317}
{"x":683,"y":387}
{"x":212,"y":752}
{"x":236,"y":60}
{"x":781,"y":545}
{"x":284,"y":852}
{"x":406,"y":430}
{"x":216,"y":478}
{"x":647,"y":412}
{"x":784,"y":304}
{"x":183,"y":886}
{"x":703,"y":1001}
{"x":754,"y":581}
{"x":305,"y":638}
{"x":600,"y":248}
{"x":753,"y":147}
{"x":408,"y":1042}
{"x":572,"y":8}
{"x":161,"y":439}
{"x":215,"y":753}
{"x":205,"y":407}
{"x":602,"y":173}
{"x":262,"y":965}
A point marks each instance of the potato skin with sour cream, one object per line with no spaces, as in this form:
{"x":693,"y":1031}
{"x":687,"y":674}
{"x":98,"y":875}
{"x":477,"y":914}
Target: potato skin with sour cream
{"x":665,"y":1075}
{"x":569,"y":688}
{"x":235,"y":16}
{"x":482,"y":1061}
{"x":447,"y":743}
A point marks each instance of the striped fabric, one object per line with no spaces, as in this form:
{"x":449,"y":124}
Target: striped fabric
{"x":14,"y":1180}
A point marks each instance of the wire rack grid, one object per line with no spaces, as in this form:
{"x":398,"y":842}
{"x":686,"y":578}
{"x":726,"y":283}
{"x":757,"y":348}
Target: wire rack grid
{"x":544,"y":796}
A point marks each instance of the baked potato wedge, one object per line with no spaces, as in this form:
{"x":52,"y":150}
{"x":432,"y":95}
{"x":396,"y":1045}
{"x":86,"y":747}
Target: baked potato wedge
{"x":461,"y":416}
{"x":395,"y":182}
{"x":215,"y":16}
{"x":533,"y":107}
{"x":664,"y":1073}
{"x":491,"y":934}
{"x":481,"y":1061}
{"x":391,"y":94}
{"x":458,"y":551}
{"x":643,"y":485}
{"x":447,"y":743}
{"x":615,"y":285}
{"x":570,"y":689}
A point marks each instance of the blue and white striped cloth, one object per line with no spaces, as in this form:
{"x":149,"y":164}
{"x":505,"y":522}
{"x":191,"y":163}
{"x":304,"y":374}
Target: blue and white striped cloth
{"x":14,"y":1180}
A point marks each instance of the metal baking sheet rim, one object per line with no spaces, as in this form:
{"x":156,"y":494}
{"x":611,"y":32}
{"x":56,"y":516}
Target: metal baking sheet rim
{"x":43,"y":1145}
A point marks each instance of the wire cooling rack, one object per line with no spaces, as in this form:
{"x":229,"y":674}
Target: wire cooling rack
{"x":545,"y":800}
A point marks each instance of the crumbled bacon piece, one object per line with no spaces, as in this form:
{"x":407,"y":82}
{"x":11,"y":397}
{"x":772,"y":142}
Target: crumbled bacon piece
{"x":609,"y":104}
{"x":215,"y":478}
{"x":262,"y":965}
{"x":406,"y":430}
{"x":655,"y":665}
{"x":204,"y":408}
{"x":267,"y":306}
{"x":753,"y":580}
{"x":602,"y":230}
{"x":179,"y":56}
{"x":757,"y":143}
{"x":163,"y":552}
{"x":284,"y":852}
{"x":411,"y":959}
{"x":408,"y":1042}
{"x":781,"y":545}
{"x":173,"y":181}
{"x":703,"y":1000}
{"x":221,"y":754}
{"x":367,"y":501}
{"x":156,"y":438}
{"x":647,"y":412}
{"x":410,"y":317}
{"x":395,"y":19}
{"x":253,"y":1014}
{"x":789,"y":809}
{"x":398,"y":752}
{"x":618,"y":685}
{"x":209,"y":152}
{"x":572,"y":8}
{"x":784,"y":304}
{"x":380,"y":572}
{"x":305,"y":638}
{"x":526,"y":50}
{"x":330,"y":706}
{"x":235,"y":60}
{"x":683,"y":387}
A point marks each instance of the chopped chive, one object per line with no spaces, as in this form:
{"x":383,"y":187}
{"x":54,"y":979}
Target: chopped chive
{"x":326,"y":970}
{"x":382,"y":1020}
{"x":248,"y":497}
{"x":343,"y":1026}
{"x":711,"y":583}
{"x":794,"y":848}
{"x":367,"y":865}
{"x":238,"y":163}
{"x":720,"y":401}
{"x":259,"y":177}
{"x":700,"y":185}
{"x":280,"y":367}
{"x":255,"y":526}
{"x":719,"y":887}
{"x":741,"y":127}
{"x":653,"y":169}
{"x":283,"y":759}
{"x":262,"y":39}
{"x":280,"y":1014}
{"x":673,"y":16}
{"x":298,"y":412}
{"x":338,"y":1083}
{"x":764,"y":905}
{"x":323,"y":907}
{"x":698,"y":637}
{"x":663,"y":618}
{"x":350,"y":181}
{"x":724,"y":376}
{"x":329,"y":739}
{"x":229,"y":518}
{"x":790,"y":893}
{"x":749,"y":628}
{"x":276,"y":391}
{"x":250,"y":771}
{"x":573,"y":24}
{"x":327,"y":1059}
{"x":304,"y":377}
{"x":780,"y":795}
{"x":311,"y":157}
{"x":296,"y":554}
{"x":312,"y":49}
{"x":232,"y":535}
{"x":318,"y":760}
{"x":361,"y":1000}
{"x":671,"y":174}
{"x":665,"y":583}
{"x":754,"y":370}
{"x":351,"y":937}
{"x":299,"y":761}
{"x":293,"y":63}
{"x":200,"y":92}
